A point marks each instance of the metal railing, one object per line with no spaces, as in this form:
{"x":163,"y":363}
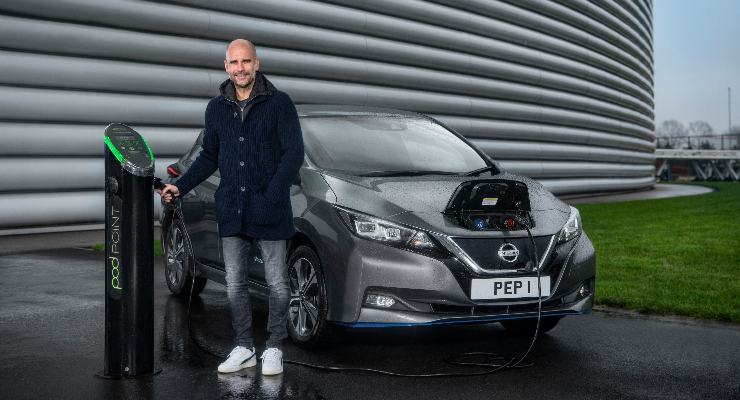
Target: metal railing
{"x":704,"y":142}
{"x":705,"y":164}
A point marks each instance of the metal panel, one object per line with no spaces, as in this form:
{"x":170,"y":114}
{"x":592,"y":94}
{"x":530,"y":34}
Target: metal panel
{"x":20,"y":103}
{"x":32,"y":209}
{"x":52,"y":174}
{"x":27,"y":35}
{"x":107,"y":75}
{"x":432,"y":34}
{"x":559,"y":169}
{"x":129,"y":14}
{"x":610,"y":60}
{"x":491,"y":129}
{"x":557,"y":90}
{"x":508,"y":150}
{"x":24,"y":104}
{"x":614,"y":16}
{"x":74,"y":140}
{"x":70,"y":208}
{"x":568,"y":186}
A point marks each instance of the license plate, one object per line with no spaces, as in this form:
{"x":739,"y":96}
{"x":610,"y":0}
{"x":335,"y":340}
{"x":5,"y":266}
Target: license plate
{"x":508,"y":288}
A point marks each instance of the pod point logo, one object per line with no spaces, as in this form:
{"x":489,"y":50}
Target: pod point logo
{"x":508,"y":252}
{"x":115,"y":249}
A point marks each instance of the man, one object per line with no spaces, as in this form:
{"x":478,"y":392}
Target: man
{"x":253,"y":137}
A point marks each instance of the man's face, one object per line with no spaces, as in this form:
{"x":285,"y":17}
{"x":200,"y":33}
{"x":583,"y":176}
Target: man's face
{"x":242,"y":65}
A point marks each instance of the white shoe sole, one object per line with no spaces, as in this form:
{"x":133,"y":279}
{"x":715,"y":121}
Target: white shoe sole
{"x":225,"y":369}
{"x":272,"y":372}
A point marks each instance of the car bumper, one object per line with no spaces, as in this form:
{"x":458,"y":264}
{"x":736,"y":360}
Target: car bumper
{"x":377,"y":318}
{"x":430,"y":291}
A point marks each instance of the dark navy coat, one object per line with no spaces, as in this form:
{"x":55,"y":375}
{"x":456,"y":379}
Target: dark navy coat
{"x":258,"y":159}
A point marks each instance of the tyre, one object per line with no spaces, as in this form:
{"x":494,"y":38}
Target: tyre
{"x":526,"y":326}
{"x":308,"y":307}
{"x":179,"y":262}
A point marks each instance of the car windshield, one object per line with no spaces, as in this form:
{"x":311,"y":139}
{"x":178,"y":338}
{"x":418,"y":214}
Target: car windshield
{"x":386,"y":146}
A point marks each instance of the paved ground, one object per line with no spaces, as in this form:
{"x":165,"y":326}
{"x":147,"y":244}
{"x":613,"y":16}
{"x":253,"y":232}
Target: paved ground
{"x":660,"y":191}
{"x":51,"y":341}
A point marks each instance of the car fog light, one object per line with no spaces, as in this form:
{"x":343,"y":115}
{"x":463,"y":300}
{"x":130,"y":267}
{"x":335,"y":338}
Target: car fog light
{"x":583,"y":291}
{"x":379,"y":300}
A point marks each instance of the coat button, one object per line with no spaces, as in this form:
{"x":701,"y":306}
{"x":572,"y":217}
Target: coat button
{"x":241,"y":138}
{"x":241,"y":163}
{"x":239,"y":211}
{"x":243,"y":188}
{"x":234,"y":114}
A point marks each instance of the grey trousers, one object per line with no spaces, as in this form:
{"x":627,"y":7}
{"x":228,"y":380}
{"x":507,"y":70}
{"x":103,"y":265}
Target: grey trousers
{"x":236,"y":252}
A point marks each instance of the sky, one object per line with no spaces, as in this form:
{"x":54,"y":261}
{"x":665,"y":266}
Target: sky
{"x":697,"y":57}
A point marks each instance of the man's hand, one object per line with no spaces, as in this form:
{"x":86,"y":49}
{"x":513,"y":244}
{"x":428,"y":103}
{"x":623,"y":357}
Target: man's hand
{"x":169,"y":193}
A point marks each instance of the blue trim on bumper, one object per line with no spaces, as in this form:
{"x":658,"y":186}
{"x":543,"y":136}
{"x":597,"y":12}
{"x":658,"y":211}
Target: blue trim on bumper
{"x":456,"y":321}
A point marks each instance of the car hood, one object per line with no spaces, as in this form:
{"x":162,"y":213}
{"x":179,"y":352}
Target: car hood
{"x":420,"y":200}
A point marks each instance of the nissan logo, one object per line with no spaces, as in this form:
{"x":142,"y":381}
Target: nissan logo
{"x":508,"y":252}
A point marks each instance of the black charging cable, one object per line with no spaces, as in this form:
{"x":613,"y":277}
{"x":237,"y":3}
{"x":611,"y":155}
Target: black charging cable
{"x":533,"y":250}
{"x":492,"y":361}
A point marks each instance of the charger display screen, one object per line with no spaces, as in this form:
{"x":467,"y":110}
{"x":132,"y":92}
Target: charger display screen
{"x":130,"y":148}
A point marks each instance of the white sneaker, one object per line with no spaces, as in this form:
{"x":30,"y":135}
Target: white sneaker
{"x":239,"y":358}
{"x":272,"y":361}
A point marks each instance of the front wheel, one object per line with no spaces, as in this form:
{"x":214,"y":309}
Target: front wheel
{"x":307,"y":324}
{"x":179,"y":262}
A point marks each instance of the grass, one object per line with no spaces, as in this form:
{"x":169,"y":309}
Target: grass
{"x":670,"y":256}
{"x":100,"y":247}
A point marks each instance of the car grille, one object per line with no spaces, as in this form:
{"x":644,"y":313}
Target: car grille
{"x":481,"y":310}
{"x":484,"y":251}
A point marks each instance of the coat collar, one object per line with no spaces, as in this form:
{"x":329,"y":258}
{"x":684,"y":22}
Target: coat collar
{"x":262,"y":87}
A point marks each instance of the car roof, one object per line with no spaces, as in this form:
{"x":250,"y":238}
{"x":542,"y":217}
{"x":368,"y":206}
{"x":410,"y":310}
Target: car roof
{"x":333,"y":110}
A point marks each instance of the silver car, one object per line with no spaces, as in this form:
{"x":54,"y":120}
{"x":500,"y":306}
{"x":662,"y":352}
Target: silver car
{"x":400,"y":222}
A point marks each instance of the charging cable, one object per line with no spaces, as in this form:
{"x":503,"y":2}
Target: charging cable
{"x":492,"y":361}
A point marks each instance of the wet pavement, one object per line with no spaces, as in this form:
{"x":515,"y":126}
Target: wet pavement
{"x":51,"y":342}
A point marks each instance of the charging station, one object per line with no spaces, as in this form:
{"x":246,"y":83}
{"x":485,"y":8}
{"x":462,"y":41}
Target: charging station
{"x":129,"y":254}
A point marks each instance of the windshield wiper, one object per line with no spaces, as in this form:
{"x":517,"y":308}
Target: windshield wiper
{"x":480,"y":170}
{"x":406,"y":173}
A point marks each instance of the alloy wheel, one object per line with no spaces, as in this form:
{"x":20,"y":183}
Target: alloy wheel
{"x":304,"y":297}
{"x":175,"y":255}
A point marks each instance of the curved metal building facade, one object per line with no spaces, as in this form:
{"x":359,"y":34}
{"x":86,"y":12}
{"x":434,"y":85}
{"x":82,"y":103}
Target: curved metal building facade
{"x":558,"y":90}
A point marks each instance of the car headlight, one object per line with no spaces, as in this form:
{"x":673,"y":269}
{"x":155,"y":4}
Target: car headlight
{"x":391,"y":234}
{"x":572,"y":228}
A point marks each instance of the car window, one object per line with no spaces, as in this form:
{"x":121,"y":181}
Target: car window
{"x":360,"y":144}
{"x":194,"y":151}
{"x":197,"y":147}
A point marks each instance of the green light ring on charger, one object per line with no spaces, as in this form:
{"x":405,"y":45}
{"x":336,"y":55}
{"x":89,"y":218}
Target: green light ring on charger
{"x":115,"y":151}
{"x":148,"y":148}
{"x":118,"y":154}
{"x":127,"y":164}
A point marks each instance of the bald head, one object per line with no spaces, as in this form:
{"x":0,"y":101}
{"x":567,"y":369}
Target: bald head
{"x":243,"y":44}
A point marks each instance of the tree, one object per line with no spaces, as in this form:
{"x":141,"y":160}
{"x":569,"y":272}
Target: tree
{"x":670,"y":131}
{"x":700,"y":128}
{"x":671,"y":128}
